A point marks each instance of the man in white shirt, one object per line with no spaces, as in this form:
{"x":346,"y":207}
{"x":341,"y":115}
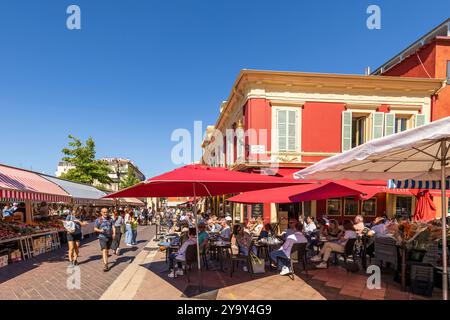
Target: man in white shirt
{"x":310,"y":226}
{"x":181,"y":254}
{"x":225,"y":233}
{"x":282,"y":255}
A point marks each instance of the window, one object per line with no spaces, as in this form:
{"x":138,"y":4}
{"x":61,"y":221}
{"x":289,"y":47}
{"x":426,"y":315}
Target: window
{"x":358,"y":131}
{"x":358,"y":128}
{"x":369,"y":207}
{"x":403,"y":206}
{"x":401,"y":124}
{"x":287,"y":128}
{"x":350,"y":206}
{"x":334,"y":207}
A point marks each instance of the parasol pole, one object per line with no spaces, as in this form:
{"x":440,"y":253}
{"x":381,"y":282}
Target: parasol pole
{"x":444,"y":220}
{"x":199,"y":271}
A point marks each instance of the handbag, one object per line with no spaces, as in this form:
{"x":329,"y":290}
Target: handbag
{"x":258,"y":265}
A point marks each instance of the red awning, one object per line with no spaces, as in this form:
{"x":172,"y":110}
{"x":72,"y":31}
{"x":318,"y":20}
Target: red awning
{"x":17,"y":184}
{"x":314,"y":191}
{"x":202,"y":181}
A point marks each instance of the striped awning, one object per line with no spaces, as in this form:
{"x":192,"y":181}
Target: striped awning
{"x":418,"y":184}
{"x":21,"y":185}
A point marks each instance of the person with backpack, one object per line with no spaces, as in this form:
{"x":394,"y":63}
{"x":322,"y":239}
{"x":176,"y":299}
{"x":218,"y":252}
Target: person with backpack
{"x":106,"y":232}
{"x":73,"y":225}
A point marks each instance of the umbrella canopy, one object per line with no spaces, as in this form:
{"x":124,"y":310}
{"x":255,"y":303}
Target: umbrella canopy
{"x":417,"y":154}
{"x":425,"y":207}
{"x":199,"y":180}
{"x":307,"y":192}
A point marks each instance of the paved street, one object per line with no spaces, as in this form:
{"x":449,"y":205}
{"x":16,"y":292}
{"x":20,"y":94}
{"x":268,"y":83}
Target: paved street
{"x":44,"y":277}
{"x":140,"y":273}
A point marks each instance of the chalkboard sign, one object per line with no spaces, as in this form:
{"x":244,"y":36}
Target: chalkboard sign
{"x":257,"y":210}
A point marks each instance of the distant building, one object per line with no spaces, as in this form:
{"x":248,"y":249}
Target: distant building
{"x":119,"y":170}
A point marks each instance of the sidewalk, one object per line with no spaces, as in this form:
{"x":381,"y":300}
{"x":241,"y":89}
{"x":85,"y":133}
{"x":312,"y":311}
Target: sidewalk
{"x":335,"y":283}
{"x":45,"y":277}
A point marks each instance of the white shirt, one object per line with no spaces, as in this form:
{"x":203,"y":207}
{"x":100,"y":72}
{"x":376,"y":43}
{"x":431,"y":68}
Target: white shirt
{"x":226,"y":233}
{"x":127,"y":218}
{"x":258,"y":228}
{"x":310,"y":227}
{"x":297,"y":237}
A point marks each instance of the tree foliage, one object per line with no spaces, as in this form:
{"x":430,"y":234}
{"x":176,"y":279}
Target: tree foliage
{"x":86,"y":169}
{"x":130,"y":179}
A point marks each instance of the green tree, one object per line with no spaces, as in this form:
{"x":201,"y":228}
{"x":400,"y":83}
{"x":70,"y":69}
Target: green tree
{"x":87,"y":168}
{"x":130,"y":179}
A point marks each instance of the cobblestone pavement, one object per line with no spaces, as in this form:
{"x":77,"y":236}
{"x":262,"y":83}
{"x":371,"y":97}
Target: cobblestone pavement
{"x":334,"y":283}
{"x":45,"y":276}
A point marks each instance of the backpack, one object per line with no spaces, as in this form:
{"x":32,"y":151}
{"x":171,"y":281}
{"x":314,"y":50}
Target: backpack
{"x":69,"y":226}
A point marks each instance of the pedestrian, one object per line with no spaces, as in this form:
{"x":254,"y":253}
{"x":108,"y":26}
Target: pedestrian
{"x":73,"y":228}
{"x":118,"y":224}
{"x":106,"y":232}
{"x":134,"y":227}
{"x":128,"y":231}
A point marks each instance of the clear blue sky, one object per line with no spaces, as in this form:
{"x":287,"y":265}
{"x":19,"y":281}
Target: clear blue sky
{"x":139,"y":69}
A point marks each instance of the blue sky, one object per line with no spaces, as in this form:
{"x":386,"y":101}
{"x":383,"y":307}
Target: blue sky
{"x":140,"y":69}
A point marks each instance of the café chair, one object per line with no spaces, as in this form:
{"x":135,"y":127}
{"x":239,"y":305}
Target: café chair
{"x":191,"y":258}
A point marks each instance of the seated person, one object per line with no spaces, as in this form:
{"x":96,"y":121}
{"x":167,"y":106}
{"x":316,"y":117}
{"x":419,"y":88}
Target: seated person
{"x":265,"y":232}
{"x":359,"y":224}
{"x":259,"y":224}
{"x":284,"y":253}
{"x":309,"y":225}
{"x":244,"y":242}
{"x":333,"y":232}
{"x":225,"y":233}
{"x":378,"y":228}
{"x":329,"y":247}
{"x":181,"y":254}
{"x":250,"y":225}
{"x":290,"y":230}
{"x":202,"y":237}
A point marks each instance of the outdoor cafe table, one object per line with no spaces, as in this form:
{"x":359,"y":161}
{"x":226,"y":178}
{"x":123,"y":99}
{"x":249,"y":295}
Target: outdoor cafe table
{"x":266,"y":246}
{"x":222,"y":248}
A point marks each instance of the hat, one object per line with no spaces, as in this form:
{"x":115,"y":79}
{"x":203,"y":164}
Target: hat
{"x":378,"y":220}
{"x":201,"y":224}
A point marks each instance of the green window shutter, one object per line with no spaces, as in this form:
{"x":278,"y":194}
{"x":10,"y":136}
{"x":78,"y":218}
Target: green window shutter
{"x":281,"y":130}
{"x":389,"y":124}
{"x":377,"y":125}
{"x":420,"y":120}
{"x":292,"y":130}
{"x":346,"y":130}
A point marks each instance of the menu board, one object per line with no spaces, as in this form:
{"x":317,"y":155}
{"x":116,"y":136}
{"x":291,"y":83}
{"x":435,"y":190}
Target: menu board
{"x":257,"y":210}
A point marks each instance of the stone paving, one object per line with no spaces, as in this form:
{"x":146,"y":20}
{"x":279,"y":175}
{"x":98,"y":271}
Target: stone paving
{"x":45,"y":276}
{"x":334,"y":283}
{"x":141,"y":274}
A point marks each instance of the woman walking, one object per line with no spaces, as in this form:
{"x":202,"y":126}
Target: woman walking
{"x":74,"y":235}
{"x":118,"y":221}
{"x":128,"y":231}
